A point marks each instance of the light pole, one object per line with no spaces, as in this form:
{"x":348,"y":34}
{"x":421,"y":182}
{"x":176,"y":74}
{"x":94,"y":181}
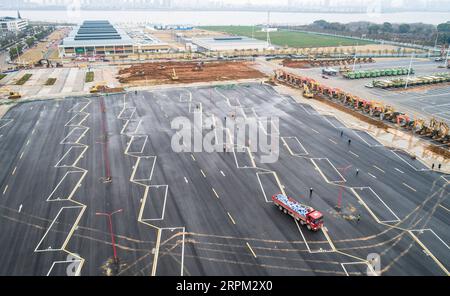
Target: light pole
{"x":113,"y":242}
{"x":409,"y":70}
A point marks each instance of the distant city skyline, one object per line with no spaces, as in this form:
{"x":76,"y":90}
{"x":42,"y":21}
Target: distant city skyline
{"x":280,"y":5}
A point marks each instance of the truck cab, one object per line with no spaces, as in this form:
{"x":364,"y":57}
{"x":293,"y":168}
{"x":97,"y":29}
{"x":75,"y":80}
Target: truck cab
{"x":314,"y":220}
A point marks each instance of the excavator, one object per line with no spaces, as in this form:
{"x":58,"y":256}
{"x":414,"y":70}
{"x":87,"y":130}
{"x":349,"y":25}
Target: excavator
{"x":376,"y":109}
{"x":307,"y":92}
{"x":100,"y":86}
{"x":428,"y":130}
{"x":440,"y":133}
{"x":198,"y":67}
{"x":418,"y":125}
{"x":388,"y":113}
{"x":403,"y":120}
{"x":174,"y":75}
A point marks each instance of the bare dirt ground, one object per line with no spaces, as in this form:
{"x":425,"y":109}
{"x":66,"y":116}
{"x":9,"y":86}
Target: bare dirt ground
{"x":161,"y":73}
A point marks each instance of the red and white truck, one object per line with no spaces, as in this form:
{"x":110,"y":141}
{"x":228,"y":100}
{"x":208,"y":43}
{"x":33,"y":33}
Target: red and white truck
{"x":303,"y":214}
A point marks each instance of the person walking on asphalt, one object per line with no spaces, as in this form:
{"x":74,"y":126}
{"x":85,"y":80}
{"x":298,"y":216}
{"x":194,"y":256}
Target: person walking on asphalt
{"x":349,"y":141}
{"x":342,"y":133}
{"x":432,"y":166}
{"x":310,"y":192}
{"x":439,"y":166}
{"x":358,"y":218}
{"x":357,"y":172}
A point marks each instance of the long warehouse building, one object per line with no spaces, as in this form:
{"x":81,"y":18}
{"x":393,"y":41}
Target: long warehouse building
{"x":101,"y":38}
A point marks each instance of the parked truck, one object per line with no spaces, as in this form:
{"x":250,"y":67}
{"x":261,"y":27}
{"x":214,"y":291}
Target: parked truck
{"x":306,"y":215}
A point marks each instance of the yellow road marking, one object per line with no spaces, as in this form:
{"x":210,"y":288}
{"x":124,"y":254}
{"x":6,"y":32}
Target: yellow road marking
{"x":231,"y":218}
{"x":155,"y":259}
{"x":251,"y":250}
{"x":365,"y":205}
{"x":325,"y":232}
{"x":279,"y":183}
{"x":74,"y":227}
{"x":429,"y":253}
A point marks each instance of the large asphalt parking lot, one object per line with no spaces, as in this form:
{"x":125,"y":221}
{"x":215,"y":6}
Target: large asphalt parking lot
{"x":200,"y":213}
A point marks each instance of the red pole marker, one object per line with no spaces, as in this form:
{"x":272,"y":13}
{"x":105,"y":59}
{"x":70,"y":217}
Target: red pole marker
{"x":113,"y":241}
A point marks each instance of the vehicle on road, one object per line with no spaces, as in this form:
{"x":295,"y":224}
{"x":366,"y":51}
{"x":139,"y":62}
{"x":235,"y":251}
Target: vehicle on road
{"x":306,"y":215}
{"x":330,"y":71}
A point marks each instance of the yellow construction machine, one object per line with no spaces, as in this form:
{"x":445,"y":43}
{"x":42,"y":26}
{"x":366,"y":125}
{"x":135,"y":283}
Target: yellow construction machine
{"x":441,"y":132}
{"x":174,"y":75}
{"x":100,"y":86}
{"x":307,"y":92}
{"x":10,"y":94}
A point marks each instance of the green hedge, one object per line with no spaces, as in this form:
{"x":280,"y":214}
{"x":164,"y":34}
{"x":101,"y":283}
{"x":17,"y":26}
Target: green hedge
{"x":89,"y":76}
{"x":50,"y":81}
{"x":24,"y":79}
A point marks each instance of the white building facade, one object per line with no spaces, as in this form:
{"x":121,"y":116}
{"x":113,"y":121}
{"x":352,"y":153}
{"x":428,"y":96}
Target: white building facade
{"x":11,"y":24}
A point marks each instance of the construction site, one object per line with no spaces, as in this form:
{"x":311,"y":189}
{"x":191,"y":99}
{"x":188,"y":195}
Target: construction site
{"x":187,"y":72}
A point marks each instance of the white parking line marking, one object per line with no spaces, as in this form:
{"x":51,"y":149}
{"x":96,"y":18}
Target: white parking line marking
{"x":21,"y":155}
{"x":14,"y":171}
{"x":222,"y":173}
{"x":251,"y":250}
{"x":378,"y":168}
{"x":448,"y":210}
{"x":369,"y":267}
{"x":371,"y":175}
{"x":186,"y":180}
{"x":356,"y":155}
{"x":203,"y":173}
{"x":409,"y":187}
{"x":193,"y":158}
{"x":315,"y":131}
{"x":399,"y":171}
{"x":215,"y":193}
{"x":332,"y":141}
{"x":231,"y":218}
{"x":6,"y":188}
